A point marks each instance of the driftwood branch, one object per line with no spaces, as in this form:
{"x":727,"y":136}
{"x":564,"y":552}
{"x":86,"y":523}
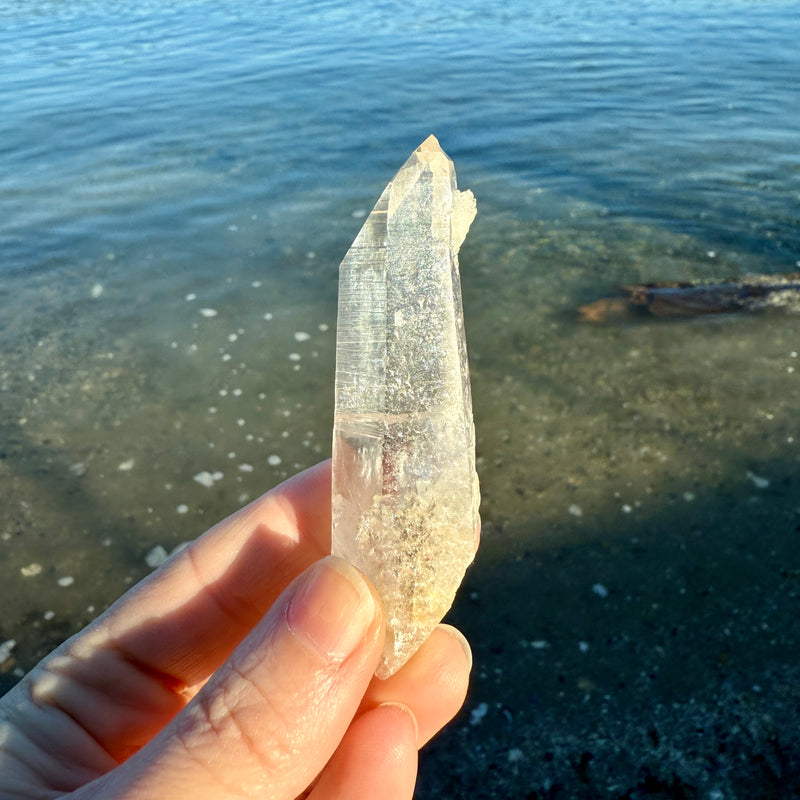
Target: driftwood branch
{"x":671,"y":299}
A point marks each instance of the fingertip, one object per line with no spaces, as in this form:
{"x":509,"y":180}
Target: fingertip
{"x":459,"y":637}
{"x":433,"y":683}
{"x":376,"y":758}
{"x":402,"y":719}
{"x":447,"y":659}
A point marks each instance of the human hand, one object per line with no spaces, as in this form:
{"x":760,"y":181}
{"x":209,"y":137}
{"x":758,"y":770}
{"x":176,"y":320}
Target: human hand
{"x":242,"y":667}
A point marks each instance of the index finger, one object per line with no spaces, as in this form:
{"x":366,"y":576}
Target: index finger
{"x":186,"y":618}
{"x":114,"y":685}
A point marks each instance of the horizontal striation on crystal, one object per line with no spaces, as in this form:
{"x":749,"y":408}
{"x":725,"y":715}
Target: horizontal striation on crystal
{"x":405,"y":490}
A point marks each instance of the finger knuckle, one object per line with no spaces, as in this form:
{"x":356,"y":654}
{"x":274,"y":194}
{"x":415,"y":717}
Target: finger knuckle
{"x":252,"y":725}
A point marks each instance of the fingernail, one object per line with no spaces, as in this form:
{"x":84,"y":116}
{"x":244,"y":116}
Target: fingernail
{"x":461,"y":639}
{"x":333,"y":609}
{"x":405,"y":710}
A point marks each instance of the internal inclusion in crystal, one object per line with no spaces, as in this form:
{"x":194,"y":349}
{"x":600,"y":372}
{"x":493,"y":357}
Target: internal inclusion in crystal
{"x":405,"y":491}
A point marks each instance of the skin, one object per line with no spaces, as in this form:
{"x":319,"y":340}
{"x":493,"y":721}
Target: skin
{"x":242,"y":667}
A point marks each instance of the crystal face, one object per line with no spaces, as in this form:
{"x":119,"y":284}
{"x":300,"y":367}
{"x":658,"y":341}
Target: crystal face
{"x":405,"y":490}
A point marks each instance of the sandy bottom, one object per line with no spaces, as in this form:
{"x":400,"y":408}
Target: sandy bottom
{"x":634,"y":606}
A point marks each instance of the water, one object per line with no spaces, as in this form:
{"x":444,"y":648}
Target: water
{"x":157,"y":159}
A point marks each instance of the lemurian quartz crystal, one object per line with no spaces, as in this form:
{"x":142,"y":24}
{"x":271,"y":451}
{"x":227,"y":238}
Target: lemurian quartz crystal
{"x":405,"y":490}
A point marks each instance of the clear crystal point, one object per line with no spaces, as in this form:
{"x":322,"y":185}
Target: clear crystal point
{"x":405,"y":490}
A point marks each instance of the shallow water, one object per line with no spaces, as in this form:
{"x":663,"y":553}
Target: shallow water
{"x":159,"y":160}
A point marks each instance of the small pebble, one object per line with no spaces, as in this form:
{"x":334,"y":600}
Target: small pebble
{"x":208,"y":312}
{"x":126,"y":466}
{"x":478,"y":713}
{"x":156,"y":557}
{"x":575,"y":510}
{"x":66,"y":580}
{"x":31,"y":570}
{"x":207,"y":479}
{"x":5,"y":650}
{"x":97,"y":290}
{"x":245,"y":467}
{"x":294,"y":356}
{"x":48,"y":615}
{"x":600,"y":590}
{"x":182,"y":508}
{"x":267,"y":316}
{"x":758,"y":481}
{"x":274,"y":460}
{"x":301,"y":336}
{"x":189,"y":297}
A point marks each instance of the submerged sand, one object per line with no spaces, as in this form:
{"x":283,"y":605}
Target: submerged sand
{"x":633,"y":607}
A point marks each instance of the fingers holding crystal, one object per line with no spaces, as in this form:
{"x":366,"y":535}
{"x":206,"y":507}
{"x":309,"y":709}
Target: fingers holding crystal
{"x":273,"y":715}
{"x":433,"y":683}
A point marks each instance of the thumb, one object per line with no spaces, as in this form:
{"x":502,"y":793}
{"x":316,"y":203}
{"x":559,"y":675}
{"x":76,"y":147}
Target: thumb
{"x":269,"y":719}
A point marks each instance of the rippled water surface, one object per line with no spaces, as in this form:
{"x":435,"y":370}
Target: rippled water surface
{"x":179,"y":181}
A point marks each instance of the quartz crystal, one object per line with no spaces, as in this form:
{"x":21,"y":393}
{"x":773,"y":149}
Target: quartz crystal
{"x":405,"y":490}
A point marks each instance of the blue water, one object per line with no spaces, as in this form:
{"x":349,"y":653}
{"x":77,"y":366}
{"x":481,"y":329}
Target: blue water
{"x":133,"y":126}
{"x":161,"y":158}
